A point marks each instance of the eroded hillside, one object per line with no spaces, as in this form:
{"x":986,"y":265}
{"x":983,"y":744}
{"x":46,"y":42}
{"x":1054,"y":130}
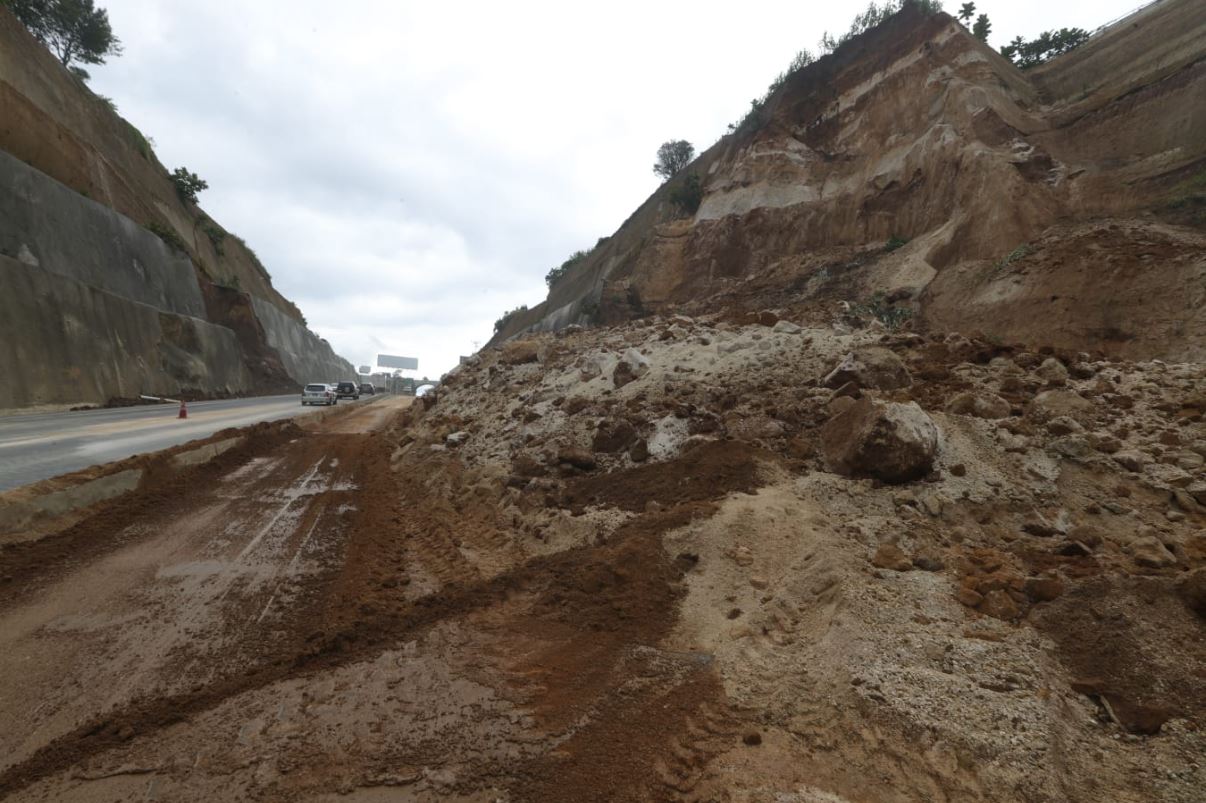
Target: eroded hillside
{"x":112,"y":284}
{"x":1058,"y":206}
{"x":772,"y":528}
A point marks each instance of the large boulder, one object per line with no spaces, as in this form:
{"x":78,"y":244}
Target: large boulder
{"x":872,"y":367}
{"x":632,"y":365}
{"x":987,"y":405}
{"x":891,"y":442}
{"x":1055,"y":403}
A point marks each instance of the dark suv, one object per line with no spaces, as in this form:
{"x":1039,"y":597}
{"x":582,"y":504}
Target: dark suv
{"x":346,"y":390}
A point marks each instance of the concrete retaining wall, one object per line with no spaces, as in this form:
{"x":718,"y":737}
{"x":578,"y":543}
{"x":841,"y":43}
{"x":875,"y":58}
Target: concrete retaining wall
{"x":67,"y":343}
{"x":306,"y":357}
{"x":47,"y":225}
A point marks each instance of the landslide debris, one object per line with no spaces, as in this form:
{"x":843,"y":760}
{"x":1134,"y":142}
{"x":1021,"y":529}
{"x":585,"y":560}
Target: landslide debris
{"x":909,"y":591}
{"x":783,"y":526}
{"x":537,"y":604}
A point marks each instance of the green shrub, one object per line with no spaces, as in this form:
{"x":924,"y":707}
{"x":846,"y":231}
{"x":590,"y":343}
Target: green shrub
{"x":558,"y":273}
{"x":688,"y":195}
{"x":1190,"y":192}
{"x":878,"y":307}
{"x":168,"y":235}
{"x":895,"y":242}
{"x":1046,"y":46}
{"x":255,"y":260}
{"x":1021,"y":252}
{"x":872,"y":16}
{"x":672,"y":157}
{"x":188,"y":184}
{"x":215,"y":234}
{"x":758,"y":105}
{"x":144,"y":144}
{"x":507,"y":316}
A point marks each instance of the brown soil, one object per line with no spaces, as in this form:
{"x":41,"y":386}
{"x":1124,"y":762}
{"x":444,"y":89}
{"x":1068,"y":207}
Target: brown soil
{"x":581,"y":628}
{"x":708,"y":471}
{"x":1121,"y":659}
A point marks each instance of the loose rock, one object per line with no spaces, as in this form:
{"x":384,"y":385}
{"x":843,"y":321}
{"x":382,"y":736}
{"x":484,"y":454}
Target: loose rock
{"x":872,"y":367}
{"x":889,"y":441}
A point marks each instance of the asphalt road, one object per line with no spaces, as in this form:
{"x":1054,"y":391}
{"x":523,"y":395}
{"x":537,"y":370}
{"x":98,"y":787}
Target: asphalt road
{"x":40,"y":445}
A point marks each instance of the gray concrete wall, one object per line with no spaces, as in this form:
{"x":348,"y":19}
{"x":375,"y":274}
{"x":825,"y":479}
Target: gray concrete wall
{"x":64,"y":342}
{"x":306,"y":357}
{"x":48,"y":225}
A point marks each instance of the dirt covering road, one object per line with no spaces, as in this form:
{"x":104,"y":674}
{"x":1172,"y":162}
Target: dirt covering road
{"x":644,"y":563}
{"x":164,"y":604}
{"x":295,"y":620}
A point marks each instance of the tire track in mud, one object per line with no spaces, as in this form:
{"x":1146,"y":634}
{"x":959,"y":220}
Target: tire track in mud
{"x":113,"y":524}
{"x":364,"y":636}
{"x":205,"y":635}
{"x":613,"y":704}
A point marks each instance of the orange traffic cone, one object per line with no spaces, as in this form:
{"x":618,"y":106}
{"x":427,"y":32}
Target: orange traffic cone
{"x":183,"y":409}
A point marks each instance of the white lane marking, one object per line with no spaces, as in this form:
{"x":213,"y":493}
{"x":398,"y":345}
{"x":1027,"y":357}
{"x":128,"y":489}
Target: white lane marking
{"x":292,"y":565}
{"x":292,"y":494}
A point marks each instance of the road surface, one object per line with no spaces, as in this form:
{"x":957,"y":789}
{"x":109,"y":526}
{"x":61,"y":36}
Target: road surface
{"x":306,"y":622}
{"x":40,"y":445}
{"x":205,"y":587}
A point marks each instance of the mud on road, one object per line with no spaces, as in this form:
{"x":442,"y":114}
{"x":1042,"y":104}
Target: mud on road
{"x":296,"y":620}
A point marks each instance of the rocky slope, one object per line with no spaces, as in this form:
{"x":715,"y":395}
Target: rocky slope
{"x":112,"y":285}
{"x":845,"y":522}
{"x":843,"y":564}
{"x":1058,"y":206}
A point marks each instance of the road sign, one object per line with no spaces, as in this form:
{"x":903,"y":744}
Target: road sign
{"x":364,"y":369}
{"x":394,"y":361}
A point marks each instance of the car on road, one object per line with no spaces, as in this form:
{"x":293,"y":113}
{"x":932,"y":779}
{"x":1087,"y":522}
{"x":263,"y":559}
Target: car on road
{"x":347,"y":390}
{"x":366,"y":389}
{"x":318,"y":393}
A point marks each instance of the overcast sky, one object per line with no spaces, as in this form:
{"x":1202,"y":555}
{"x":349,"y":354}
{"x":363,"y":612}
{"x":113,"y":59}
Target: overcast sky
{"x":407,"y":171}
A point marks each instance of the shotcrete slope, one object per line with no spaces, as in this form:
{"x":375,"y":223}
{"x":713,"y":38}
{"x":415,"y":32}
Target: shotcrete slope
{"x":101,"y":307}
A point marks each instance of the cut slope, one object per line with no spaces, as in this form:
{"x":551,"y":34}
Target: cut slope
{"x":915,"y":130}
{"x":79,"y":189}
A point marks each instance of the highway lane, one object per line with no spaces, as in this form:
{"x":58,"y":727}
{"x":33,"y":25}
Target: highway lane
{"x":36,"y":446}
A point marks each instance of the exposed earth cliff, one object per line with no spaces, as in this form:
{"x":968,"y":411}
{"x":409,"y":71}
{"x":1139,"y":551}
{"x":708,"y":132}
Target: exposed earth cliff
{"x":111,"y":284}
{"x":1058,"y":206}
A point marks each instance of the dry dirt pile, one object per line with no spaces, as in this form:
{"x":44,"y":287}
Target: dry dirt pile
{"x":687,"y":559}
{"x":1021,"y":622}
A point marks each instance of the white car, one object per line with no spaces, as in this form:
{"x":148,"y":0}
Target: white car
{"x":318,"y":393}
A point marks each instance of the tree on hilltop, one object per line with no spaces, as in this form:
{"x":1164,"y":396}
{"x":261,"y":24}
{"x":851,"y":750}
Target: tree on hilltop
{"x":76,"y":31}
{"x":672,"y":157}
{"x":1045,"y":46}
{"x":982,"y":28}
{"x":966,"y":12}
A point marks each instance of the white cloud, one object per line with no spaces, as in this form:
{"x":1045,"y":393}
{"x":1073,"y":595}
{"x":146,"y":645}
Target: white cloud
{"x":408,"y":171}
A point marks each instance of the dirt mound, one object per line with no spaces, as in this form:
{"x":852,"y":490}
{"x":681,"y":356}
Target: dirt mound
{"x":719,"y":617}
{"x":1131,"y":663}
{"x":705,"y":472}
